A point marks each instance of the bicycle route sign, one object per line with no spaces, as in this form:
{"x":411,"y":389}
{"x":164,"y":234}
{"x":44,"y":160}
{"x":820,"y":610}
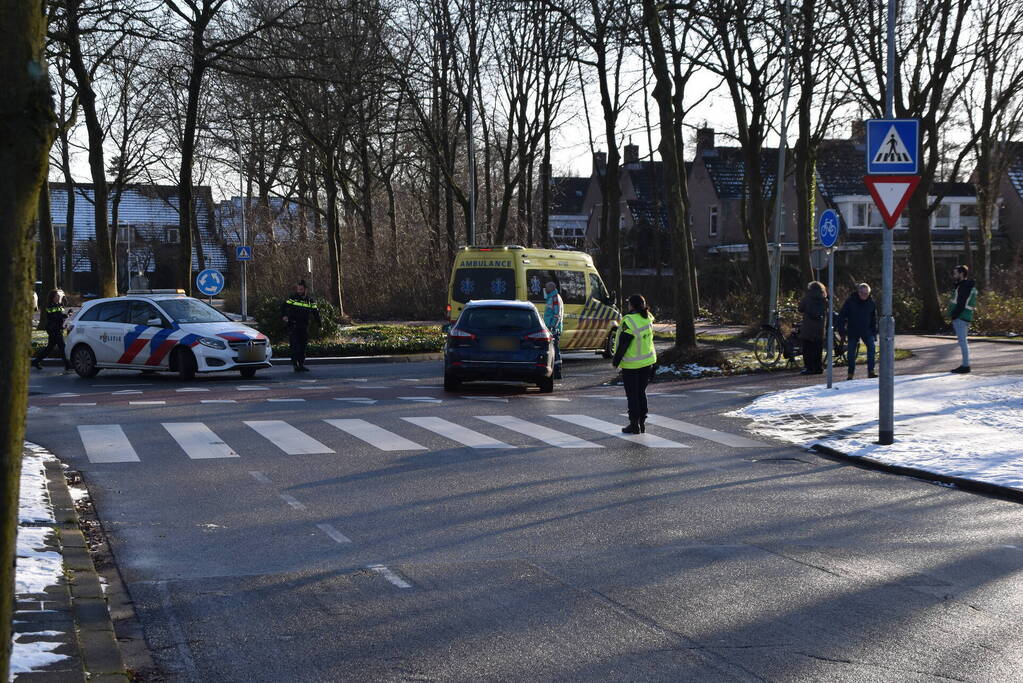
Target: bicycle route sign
{"x":828,"y":228}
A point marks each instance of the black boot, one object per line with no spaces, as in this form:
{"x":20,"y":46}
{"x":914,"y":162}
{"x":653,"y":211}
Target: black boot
{"x":632,"y":428}
{"x":642,"y":426}
{"x":37,"y":364}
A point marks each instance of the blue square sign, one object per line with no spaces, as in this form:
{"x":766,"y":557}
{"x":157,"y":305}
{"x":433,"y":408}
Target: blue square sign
{"x":243,"y":253}
{"x":893,"y":146}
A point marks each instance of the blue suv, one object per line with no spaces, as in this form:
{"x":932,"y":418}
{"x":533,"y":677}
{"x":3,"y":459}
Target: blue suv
{"x":499,"y":340}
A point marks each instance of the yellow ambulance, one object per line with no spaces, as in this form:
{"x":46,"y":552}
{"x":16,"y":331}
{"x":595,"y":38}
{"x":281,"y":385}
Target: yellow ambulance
{"x":514,"y":272}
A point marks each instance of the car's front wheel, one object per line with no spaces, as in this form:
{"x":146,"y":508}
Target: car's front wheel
{"x":83,"y":360}
{"x":248,"y":373}
{"x":185,"y":364}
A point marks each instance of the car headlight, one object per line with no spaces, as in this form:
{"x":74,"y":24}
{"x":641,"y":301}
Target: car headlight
{"x":213,"y":343}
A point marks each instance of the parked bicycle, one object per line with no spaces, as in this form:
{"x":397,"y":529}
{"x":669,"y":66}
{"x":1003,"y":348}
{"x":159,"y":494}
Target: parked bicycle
{"x":771,"y":345}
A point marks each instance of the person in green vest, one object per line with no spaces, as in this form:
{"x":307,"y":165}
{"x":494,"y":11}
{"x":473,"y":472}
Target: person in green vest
{"x":54,"y":317}
{"x":636,"y":356}
{"x":961,"y":306}
{"x":296,"y":312}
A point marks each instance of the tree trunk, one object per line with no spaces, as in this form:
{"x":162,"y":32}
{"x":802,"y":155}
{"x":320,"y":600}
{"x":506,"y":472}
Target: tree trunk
{"x":27,"y":126}
{"x":675,"y":186}
{"x":334,"y":287}
{"x":805,"y":196}
{"x":106,"y":262}
{"x":186,"y":204}
{"x":47,"y":250}
{"x":922,"y":258}
{"x":69,"y":216}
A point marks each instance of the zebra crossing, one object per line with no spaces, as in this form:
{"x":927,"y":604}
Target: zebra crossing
{"x":109,"y":443}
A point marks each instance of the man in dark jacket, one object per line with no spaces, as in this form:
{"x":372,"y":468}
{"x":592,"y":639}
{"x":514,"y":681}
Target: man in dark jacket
{"x":54,"y":316}
{"x":859,"y":317}
{"x":961,"y":306}
{"x":296,"y":312}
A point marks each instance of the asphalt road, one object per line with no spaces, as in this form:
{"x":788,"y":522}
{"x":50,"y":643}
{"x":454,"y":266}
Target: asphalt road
{"x":357,"y":523}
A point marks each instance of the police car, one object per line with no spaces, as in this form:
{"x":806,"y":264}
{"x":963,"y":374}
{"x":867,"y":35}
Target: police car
{"x":162,"y":330}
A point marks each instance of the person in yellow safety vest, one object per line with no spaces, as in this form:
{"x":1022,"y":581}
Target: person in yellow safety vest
{"x":296,"y":312}
{"x":961,"y":306}
{"x":54,"y":317}
{"x":636,"y":356}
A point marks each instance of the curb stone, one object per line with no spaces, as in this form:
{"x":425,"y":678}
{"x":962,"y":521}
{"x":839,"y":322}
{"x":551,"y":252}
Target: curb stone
{"x":971,"y":485}
{"x":98,"y":653}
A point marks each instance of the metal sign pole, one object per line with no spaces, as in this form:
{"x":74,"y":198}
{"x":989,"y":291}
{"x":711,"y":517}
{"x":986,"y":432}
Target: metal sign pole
{"x":831,"y":315}
{"x":886,"y":382}
{"x":779,"y":182}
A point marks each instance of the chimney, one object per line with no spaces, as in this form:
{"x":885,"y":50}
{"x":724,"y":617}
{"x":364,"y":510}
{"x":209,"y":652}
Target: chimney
{"x":704,"y":138}
{"x":599,"y":162}
{"x":858,"y":130}
{"x":631,"y":154}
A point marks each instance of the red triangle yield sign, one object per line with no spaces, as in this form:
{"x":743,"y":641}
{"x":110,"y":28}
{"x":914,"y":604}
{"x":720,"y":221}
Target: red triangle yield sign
{"x":891,"y":193}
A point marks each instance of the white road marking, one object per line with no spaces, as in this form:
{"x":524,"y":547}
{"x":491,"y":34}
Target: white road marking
{"x":411,"y":380}
{"x":253,"y":388}
{"x":462,"y":435}
{"x":333,"y":533}
{"x":648,"y":440}
{"x":428,"y":386}
{"x":64,"y":395}
{"x":493,"y":399}
{"x":218,"y":400}
{"x":374,"y":386}
{"x":198,"y":441}
{"x":106,"y":443}
{"x":554,"y":398}
{"x":288,"y":438}
{"x":260,"y":477}
{"x":78,"y":404}
{"x":143,"y":384}
{"x":291,"y":500}
{"x":723,"y":438}
{"x":376,"y":436}
{"x":605,"y":397}
{"x":125,"y":391}
{"x":183,"y":390}
{"x":545,"y":434}
{"x":421,"y":399}
{"x":285,"y":400}
{"x":390,"y":575}
{"x":363,"y":401}
{"x":147,"y":403}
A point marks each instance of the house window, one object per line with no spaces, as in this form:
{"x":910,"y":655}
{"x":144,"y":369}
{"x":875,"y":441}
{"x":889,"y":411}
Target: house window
{"x":942,"y":217}
{"x":713,"y":221}
{"x":123,"y":234}
{"x":60,"y":231}
{"x":968,"y":216}
{"x":171,"y":236}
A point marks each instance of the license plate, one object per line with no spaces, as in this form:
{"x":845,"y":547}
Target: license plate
{"x":501,"y":344}
{"x":250,"y":355}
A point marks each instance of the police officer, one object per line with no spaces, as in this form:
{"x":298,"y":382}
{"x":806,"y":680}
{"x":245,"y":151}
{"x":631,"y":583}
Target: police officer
{"x":554,"y":319}
{"x":296,"y":312}
{"x":636,"y":356}
{"x":55,"y":315}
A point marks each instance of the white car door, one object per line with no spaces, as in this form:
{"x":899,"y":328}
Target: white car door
{"x":108,"y":330}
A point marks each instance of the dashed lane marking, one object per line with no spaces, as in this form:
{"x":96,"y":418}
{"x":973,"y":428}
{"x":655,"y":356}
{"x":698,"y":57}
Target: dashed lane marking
{"x":252,"y":388}
{"x":184,"y":390}
{"x":147,"y":403}
{"x":218,"y":400}
{"x":285,"y":400}
{"x":390,"y":576}
{"x":260,"y":477}
{"x":334,"y":534}
{"x":292,"y":501}
{"x":80,"y":403}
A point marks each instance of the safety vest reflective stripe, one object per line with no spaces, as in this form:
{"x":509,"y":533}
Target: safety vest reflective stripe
{"x":631,"y":359}
{"x":641,"y":351}
{"x":57,"y":309}
{"x":639,"y":330}
{"x":303,"y":304}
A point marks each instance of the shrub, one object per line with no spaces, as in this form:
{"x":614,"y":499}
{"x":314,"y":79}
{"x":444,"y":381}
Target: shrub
{"x":267,"y":312}
{"x":998,"y":314}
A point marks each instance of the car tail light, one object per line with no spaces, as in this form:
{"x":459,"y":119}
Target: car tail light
{"x":456,"y":333}
{"x":447,"y":310}
{"x":542,"y":335}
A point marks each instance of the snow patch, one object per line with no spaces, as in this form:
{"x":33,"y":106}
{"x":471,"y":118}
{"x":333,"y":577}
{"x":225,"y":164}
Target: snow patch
{"x":34,"y":499}
{"x":689,"y":370}
{"x":959,"y":426}
{"x":26,"y":657}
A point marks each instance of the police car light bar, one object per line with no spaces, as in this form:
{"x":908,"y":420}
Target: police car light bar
{"x":156,"y":291}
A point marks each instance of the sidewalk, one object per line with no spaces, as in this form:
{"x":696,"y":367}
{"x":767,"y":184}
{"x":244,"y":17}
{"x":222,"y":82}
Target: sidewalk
{"x":965,"y":430}
{"x":62,"y":628}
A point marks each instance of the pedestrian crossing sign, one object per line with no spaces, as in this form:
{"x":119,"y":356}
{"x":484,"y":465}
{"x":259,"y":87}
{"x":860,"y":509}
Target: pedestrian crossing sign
{"x":243,"y":253}
{"x":893,"y":146}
